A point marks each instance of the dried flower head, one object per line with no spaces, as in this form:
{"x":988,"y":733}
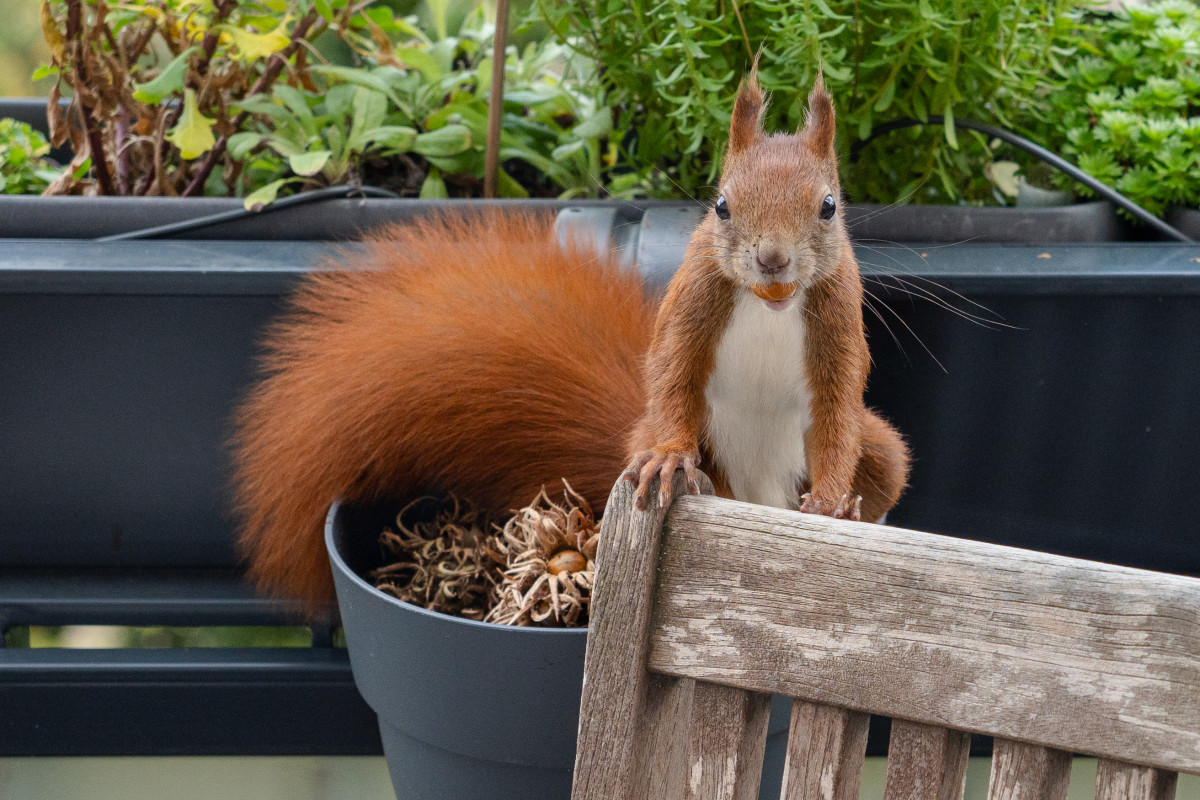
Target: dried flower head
{"x":435,"y":560}
{"x":549,"y":551}
{"x":536,"y":570}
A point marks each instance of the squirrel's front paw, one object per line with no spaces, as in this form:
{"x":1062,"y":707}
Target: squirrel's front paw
{"x":664,"y":462}
{"x":846,"y":508}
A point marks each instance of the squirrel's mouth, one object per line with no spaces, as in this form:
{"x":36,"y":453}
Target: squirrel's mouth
{"x":777,"y":296}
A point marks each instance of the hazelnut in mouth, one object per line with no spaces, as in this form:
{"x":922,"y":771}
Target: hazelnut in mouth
{"x":777,"y":296}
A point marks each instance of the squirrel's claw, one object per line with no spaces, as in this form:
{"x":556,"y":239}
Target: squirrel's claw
{"x":646,"y":464}
{"x":848,"y":507}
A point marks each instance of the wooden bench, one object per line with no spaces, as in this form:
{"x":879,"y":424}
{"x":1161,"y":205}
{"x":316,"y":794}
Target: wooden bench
{"x":697,"y":621}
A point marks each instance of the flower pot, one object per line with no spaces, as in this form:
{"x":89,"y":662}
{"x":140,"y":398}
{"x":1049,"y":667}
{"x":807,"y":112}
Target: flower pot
{"x":467,"y":709}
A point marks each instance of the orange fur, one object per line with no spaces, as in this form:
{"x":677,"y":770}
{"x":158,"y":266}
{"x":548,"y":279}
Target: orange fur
{"x":773,"y":188}
{"x":471,"y":355}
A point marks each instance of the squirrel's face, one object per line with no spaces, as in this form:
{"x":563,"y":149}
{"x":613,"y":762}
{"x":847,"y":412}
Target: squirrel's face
{"x":776,"y":226}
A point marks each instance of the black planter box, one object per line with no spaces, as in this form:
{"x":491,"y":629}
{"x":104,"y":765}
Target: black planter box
{"x":345,"y":219}
{"x":1072,"y":431}
{"x":80,"y":218}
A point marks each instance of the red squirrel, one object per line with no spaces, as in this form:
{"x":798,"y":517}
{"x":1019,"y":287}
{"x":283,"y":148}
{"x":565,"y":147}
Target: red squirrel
{"x":482,"y":356}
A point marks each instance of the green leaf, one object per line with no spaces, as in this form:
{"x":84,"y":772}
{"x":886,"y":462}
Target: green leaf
{"x":395,"y":138}
{"x":265,"y":195}
{"x":562,"y":151}
{"x":362,"y":78}
{"x":193,"y":133}
{"x":240,"y":144}
{"x":596,"y":126}
{"x":309,"y":164}
{"x":434,"y":188}
{"x":420,"y":60}
{"x":368,"y":111}
{"x":256,"y":46}
{"x":82,"y":169}
{"x":951,"y":132}
{"x":44,"y":71}
{"x":168,"y":82}
{"x":447,"y":141}
{"x":507,"y":187}
{"x":296,"y":102}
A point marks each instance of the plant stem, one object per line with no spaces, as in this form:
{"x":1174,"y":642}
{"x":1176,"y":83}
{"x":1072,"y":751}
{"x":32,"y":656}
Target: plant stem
{"x":495,"y":101}
{"x":95,"y":140}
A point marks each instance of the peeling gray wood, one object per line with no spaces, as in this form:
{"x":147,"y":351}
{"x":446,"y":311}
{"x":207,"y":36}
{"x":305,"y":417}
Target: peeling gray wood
{"x":1116,"y":780}
{"x":926,"y":762}
{"x":661,"y":749}
{"x":1071,"y":654}
{"x":1028,"y":772}
{"x":728,"y":737}
{"x":825,"y":752}
{"x":616,"y":682}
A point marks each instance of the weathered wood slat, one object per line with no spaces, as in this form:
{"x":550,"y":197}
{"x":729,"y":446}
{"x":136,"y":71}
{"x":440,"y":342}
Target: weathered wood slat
{"x":661,"y":749}
{"x":728,"y":736}
{"x":616,"y":683}
{"x":926,"y":762}
{"x":825,"y":752}
{"x":1028,"y":772}
{"x":933,"y":629}
{"x":1117,"y":780}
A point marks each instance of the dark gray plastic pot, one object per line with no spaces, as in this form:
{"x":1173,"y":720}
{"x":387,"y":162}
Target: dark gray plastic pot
{"x":468,"y":710}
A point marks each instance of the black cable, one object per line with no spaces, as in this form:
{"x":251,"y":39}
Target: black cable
{"x":329,"y":192}
{"x":1053,"y":159}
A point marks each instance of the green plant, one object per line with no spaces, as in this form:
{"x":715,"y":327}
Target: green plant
{"x":413,"y":117}
{"x":1128,"y":111}
{"x":154,"y":85}
{"x":671,"y":67}
{"x":221,"y":97}
{"x":23,"y":166}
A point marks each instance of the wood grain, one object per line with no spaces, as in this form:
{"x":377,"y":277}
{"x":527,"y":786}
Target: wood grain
{"x":616,"y":683}
{"x":1028,"y":772}
{"x":825,"y":752}
{"x":1070,"y":654}
{"x":926,"y":762}
{"x":1116,"y":780}
{"x":728,"y":736}
{"x":660,"y":757}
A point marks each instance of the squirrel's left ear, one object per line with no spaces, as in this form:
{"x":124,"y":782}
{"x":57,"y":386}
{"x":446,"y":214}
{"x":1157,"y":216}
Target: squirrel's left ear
{"x":819,"y":123}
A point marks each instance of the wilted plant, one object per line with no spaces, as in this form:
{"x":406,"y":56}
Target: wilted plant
{"x":155,"y":86}
{"x":188,"y":97}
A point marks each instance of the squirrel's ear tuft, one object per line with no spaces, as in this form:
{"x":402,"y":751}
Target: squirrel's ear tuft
{"x":745,"y":125}
{"x":819,"y":124}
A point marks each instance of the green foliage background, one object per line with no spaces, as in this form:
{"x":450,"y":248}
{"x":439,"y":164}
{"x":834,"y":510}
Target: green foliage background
{"x":672,"y":66}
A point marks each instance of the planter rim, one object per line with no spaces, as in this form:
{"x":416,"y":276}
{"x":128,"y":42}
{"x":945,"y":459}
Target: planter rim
{"x":339,"y":563}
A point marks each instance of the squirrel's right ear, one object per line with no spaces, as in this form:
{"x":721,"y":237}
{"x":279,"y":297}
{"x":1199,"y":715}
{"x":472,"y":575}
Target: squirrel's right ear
{"x":746,"y":124}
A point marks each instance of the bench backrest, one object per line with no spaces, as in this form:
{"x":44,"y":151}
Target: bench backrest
{"x":696,"y":623}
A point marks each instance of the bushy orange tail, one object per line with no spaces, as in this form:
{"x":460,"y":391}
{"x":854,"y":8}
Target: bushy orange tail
{"x":473,"y":355}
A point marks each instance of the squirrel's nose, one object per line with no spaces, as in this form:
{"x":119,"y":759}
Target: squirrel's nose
{"x":772,"y":261}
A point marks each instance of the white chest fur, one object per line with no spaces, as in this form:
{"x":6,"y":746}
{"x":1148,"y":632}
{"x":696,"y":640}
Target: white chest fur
{"x":759,"y":403}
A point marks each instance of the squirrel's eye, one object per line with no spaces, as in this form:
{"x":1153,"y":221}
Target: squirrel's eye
{"x":828,"y":207}
{"x":722,"y":208}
